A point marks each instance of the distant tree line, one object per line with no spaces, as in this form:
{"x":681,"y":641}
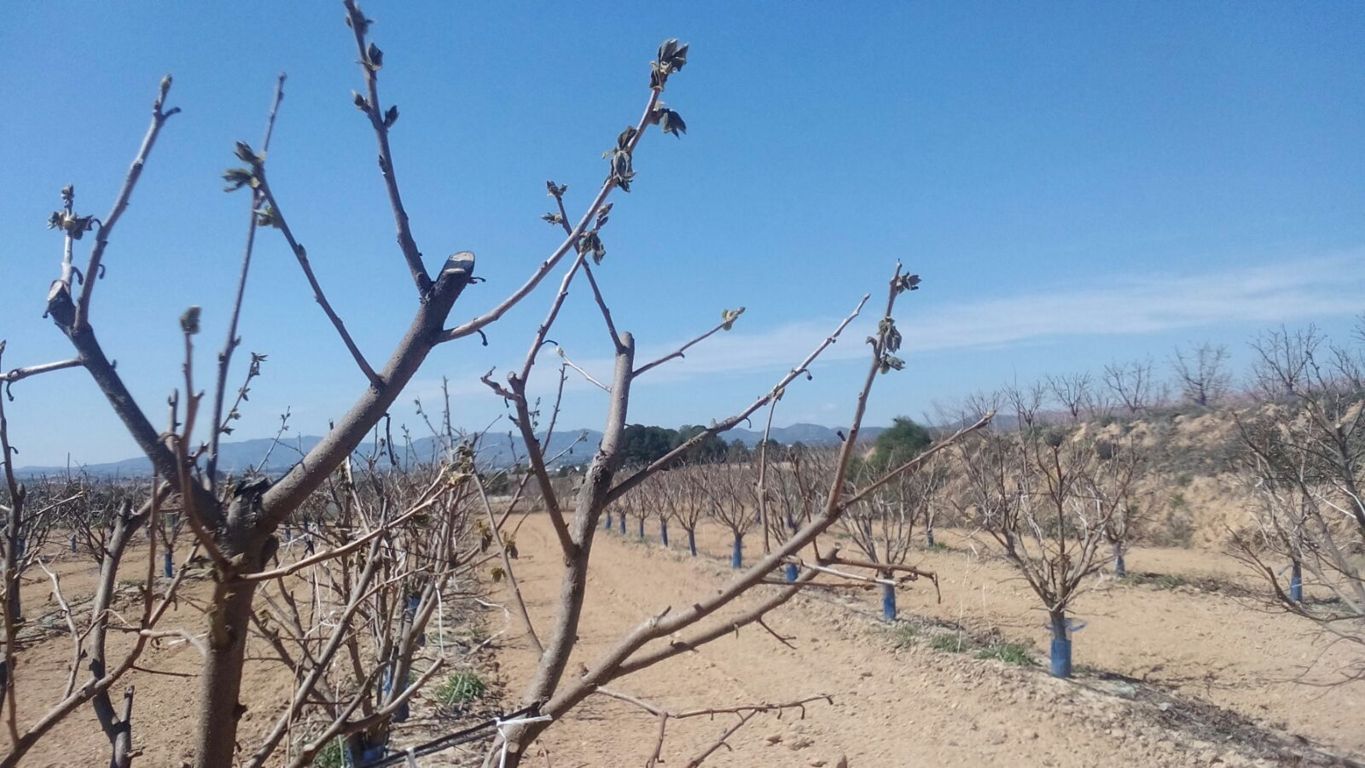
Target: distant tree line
{"x":643,"y":445}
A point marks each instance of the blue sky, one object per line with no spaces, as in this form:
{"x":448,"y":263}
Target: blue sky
{"x":1076,"y":183}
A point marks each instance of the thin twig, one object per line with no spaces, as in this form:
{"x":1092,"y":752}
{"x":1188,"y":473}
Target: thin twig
{"x":507,"y":568}
{"x":723,"y":325}
{"x":106,"y":228}
{"x":381,"y":122}
{"x":230,"y":345}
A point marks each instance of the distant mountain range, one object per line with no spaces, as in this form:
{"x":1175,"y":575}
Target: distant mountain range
{"x":497,"y":450}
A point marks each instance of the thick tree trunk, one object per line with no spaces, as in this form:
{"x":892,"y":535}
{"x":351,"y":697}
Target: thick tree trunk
{"x":12,"y":601}
{"x":1061,"y":645}
{"x":220,"y":685}
{"x":229,"y":618}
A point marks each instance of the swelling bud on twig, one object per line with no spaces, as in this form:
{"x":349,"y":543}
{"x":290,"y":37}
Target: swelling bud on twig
{"x":189,"y":321}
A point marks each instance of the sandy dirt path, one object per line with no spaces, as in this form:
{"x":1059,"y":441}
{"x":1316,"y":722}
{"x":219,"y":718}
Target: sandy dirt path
{"x":907,"y":706}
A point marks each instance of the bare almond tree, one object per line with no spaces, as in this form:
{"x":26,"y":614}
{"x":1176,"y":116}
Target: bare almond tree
{"x":1132,"y":384}
{"x":729,"y":490}
{"x":638,"y":508}
{"x":1304,"y":462}
{"x":660,"y":504}
{"x":550,"y":693}
{"x":29,"y":516}
{"x":1072,"y":392}
{"x":1282,"y":367}
{"x":1047,"y":499}
{"x":794,"y":493}
{"x":113,"y":529}
{"x":1026,"y":402}
{"x":685,"y":499}
{"x":1202,"y":373}
{"x":235,"y":524}
{"x":882,"y":528}
{"x":381,"y":546}
{"x":1113,"y":486}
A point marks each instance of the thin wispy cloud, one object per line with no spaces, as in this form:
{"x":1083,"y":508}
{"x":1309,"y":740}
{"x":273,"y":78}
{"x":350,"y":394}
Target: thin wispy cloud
{"x":1295,"y":291}
{"x":1127,"y":306}
{"x":1264,"y":294}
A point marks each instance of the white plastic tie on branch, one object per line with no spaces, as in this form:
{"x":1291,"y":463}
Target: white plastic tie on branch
{"x":440,"y":624}
{"x":503,"y":725}
{"x":853,"y":577}
{"x":411,"y":761}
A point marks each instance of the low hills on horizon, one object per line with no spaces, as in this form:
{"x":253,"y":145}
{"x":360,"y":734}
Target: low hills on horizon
{"x":497,"y":450}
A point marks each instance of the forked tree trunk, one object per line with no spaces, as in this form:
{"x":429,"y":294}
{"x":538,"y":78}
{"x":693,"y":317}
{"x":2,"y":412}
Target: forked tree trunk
{"x":591,"y":501}
{"x":123,"y":736}
{"x":229,"y":618}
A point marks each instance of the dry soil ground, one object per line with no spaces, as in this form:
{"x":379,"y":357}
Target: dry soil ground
{"x":1223,"y":677}
{"x":1172,"y":674}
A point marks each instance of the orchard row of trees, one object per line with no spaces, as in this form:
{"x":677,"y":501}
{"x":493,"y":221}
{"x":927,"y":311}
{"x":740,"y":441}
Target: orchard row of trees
{"x":1060,"y":502}
{"x":1064,"y":500}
